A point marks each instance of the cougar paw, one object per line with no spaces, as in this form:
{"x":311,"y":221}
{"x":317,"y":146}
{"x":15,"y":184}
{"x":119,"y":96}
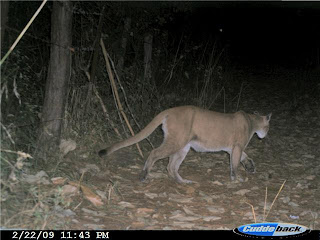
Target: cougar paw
{"x":183,"y":181}
{"x":186,"y":181}
{"x":143,"y":176}
{"x":248,"y":165}
{"x":237,"y":179}
{"x":232,"y":177}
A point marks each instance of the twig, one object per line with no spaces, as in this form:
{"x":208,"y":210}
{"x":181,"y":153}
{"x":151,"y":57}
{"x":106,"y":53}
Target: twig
{"x":94,"y":61}
{"x":116,"y":93}
{"x":118,"y":111}
{"x":77,"y":206}
{"x":265,"y":204}
{"x":175,"y":63}
{"x":208,"y":83}
{"x":109,"y":192}
{"x":217,"y":95}
{"x":19,"y":153}
{"x":275,"y":199}
{"x":10,"y":164}
{"x":45,"y":222}
{"x":5,"y":129}
{"x":253,"y":213}
{"x":80,"y":180}
{"x":104,"y":109}
{"x":239,"y":96}
{"x":20,"y":213}
{"x":23,"y":31}
{"x":224,"y":100}
{"x":126,"y":99}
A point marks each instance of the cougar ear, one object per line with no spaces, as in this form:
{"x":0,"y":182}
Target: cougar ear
{"x":269,"y":116}
{"x":256,"y":113}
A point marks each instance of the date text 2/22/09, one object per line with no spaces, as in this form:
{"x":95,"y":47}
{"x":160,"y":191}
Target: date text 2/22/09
{"x":52,"y":235}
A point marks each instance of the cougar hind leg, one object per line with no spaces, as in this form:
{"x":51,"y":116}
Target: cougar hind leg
{"x":165,"y":150}
{"x":175,"y":161}
{"x":170,"y":146}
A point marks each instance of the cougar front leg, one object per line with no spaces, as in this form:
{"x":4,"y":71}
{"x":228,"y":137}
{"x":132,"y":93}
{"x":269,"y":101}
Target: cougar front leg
{"x":247,"y":163}
{"x":235,"y":158}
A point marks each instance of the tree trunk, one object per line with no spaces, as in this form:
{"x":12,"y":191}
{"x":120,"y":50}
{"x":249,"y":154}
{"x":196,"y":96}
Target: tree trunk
{"x":317,"y":59}
{"x":4,"y":5}
{"x":123,"y":46}
{"x":58,"y":76}
{"x":147,"y":56}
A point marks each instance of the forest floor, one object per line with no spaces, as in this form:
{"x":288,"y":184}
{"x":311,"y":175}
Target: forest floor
{"x":288,"y":156}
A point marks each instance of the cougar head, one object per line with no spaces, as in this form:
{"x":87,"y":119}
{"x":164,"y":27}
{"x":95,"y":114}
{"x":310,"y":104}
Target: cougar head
{"x":263,"y":125}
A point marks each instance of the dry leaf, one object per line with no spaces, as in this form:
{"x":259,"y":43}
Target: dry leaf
{"x":145,"y":210}
{"x":69,"y":189}
{"x":91,"y":196}
{"x":67,"y":146}
{"x":58,"y":180}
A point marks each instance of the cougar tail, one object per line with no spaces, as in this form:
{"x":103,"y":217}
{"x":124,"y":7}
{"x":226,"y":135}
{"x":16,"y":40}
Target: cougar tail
{"x":136,"y":138}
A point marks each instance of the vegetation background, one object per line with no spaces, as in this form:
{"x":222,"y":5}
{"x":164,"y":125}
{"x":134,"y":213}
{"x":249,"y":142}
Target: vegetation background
{"x":162,"y":54}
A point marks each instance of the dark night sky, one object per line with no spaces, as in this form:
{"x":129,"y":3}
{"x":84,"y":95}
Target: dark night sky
{"x":260,"y":32}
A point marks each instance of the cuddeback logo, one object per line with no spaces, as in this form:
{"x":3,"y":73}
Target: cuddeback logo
{"x":271,"y":229}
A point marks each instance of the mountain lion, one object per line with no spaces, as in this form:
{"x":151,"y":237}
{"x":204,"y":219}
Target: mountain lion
{"x":202,"y":130}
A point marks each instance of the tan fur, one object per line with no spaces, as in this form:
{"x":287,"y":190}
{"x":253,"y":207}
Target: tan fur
{"x":202,"y":130}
